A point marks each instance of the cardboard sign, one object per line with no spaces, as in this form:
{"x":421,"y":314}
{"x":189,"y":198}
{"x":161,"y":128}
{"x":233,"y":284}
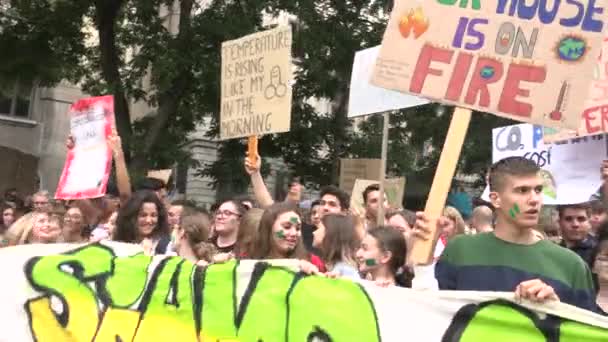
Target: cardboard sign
{"x":353,"y":169}
{"x":530,"y":61}
{"x":366,"y":98}
{"x":571,"y":168}
{"x":132,"y":297}
{"x":393,"y":187}
{"x":594,"y":118}
{"x":162,"y":175}
{"x":256,"y":84}
{"x":88,"y":165}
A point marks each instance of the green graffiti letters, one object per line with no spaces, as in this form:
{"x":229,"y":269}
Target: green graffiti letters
{"x":89,"y":294}
{"x":105,"y":298}
{"x":65,"y":277}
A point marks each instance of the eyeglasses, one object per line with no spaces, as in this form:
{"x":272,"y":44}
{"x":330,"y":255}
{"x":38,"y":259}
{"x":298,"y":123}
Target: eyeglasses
{"x":227,"y":213}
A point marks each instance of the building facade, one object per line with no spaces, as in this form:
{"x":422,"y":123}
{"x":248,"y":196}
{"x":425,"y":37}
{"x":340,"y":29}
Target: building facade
{"x":34,"y":126}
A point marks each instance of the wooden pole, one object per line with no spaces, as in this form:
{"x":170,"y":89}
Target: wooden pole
{"x":252,"y":149}
{"x":422,"y":251}
{"x":385,"y":126}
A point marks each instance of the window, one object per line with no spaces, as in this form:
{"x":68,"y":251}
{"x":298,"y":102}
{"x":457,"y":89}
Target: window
{"x":15,"y":98}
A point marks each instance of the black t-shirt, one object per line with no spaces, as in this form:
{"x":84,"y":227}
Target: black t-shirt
{"x":224,"y":249}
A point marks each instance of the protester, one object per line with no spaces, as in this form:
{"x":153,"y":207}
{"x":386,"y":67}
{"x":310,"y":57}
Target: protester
{"x":403,"y":220}
{"x":512,"y":258}
{"x":381,"y":255}
{"x":19,"y":231}
{"x":32,"y":228}
{"x":371,"y":201}
{"x":226,"y":225}
{"x":106,"y":229}
{"x":551,"y":230}
{"x":576,"y":230}
{"x":454,"y":225}
{"x":248,"y":232}
{"x":58,"y":210}
{"x":143,"y":219}
{"x":177,"y":210}
{"x":599,"y":215}
{"x":11,"y":196}
{"x":279,"y":237}
{"x":41,"y":202}
{"x":339,"y":245}
{"x":308,"y":229}
{"x":482,"y":219}
{"x":333,"y":200}
{"x":8,"y":216}
{"x":600,"y":266}
{"x":43,"y":231}
{"x":75,"y":228}
{"x":190,"y":239}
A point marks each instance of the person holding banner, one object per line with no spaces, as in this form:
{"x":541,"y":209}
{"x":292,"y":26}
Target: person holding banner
{"x":280,"y":237}
{"x":381,"y":255}
{"x":143,"y":220}
{"x":513,"y":258}
{"x":190,"y":239}
{"x":339,"y":245}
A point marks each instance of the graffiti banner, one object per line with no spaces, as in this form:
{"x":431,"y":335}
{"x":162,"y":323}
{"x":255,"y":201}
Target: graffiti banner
{"x":104,"y":292}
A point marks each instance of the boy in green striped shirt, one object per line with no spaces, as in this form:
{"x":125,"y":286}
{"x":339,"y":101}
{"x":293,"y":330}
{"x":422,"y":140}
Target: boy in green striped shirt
{"x":512,"y":257}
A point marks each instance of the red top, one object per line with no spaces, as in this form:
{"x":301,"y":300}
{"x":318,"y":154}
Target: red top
{"x":315,"y":260}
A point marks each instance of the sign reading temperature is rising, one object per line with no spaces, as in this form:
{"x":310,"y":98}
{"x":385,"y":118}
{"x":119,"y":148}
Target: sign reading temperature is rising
{"x":256,"y":89}
{"x":529,"y":61}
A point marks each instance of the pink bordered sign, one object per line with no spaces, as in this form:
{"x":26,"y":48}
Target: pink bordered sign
{"x":88,"y":164}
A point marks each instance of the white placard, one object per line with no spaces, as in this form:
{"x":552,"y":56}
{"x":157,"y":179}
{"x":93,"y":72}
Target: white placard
{"x":366,"y":98}
{"x":574,"y":164}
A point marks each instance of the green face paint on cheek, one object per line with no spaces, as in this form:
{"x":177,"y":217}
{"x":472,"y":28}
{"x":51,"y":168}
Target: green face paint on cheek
{"x":514,"y":211}
{"x":280,"y":234}
{"x":370,"y":262}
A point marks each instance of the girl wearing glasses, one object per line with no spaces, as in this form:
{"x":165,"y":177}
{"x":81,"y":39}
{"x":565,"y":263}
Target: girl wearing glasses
{"x":143,"y":220}
{"x":280,"y":237}
{"x":226,"y":226}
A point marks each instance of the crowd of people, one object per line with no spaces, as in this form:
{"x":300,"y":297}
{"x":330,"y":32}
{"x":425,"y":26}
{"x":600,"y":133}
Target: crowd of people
{"x":499,"y":246}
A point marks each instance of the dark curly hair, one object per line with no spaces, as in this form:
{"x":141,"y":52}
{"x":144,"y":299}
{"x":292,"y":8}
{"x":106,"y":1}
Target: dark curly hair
{"x":126,"y":223}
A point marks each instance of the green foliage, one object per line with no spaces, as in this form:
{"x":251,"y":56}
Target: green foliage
{"x":137,"y":58}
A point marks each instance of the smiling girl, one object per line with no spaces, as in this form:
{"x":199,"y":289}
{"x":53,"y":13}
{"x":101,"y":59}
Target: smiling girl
{"x":143,"y":219}
{"x":280,"y":236}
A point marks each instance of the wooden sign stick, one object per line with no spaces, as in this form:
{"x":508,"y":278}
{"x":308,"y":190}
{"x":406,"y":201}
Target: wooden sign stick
{"x":422,"y":251}
{"x":380,"y":218}
{"x":252,"y":149}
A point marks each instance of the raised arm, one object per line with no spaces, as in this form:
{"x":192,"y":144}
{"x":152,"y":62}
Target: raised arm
{"x":123,"y":181}
{"x":260,"y":190}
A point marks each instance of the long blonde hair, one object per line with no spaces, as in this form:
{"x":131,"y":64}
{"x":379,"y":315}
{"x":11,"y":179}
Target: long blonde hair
{"x":20,"y":231}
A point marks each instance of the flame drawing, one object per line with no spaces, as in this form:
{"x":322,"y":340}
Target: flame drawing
{"x":414,"y":21}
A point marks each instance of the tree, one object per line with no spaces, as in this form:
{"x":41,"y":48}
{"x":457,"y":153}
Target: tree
{"x":326,"y":36}
{"x":125,"y":48}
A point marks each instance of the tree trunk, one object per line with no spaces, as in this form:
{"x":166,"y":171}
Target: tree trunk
{"x":106,"y":14}
{"x":169,"y":99}
{"x":340,"y":129}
